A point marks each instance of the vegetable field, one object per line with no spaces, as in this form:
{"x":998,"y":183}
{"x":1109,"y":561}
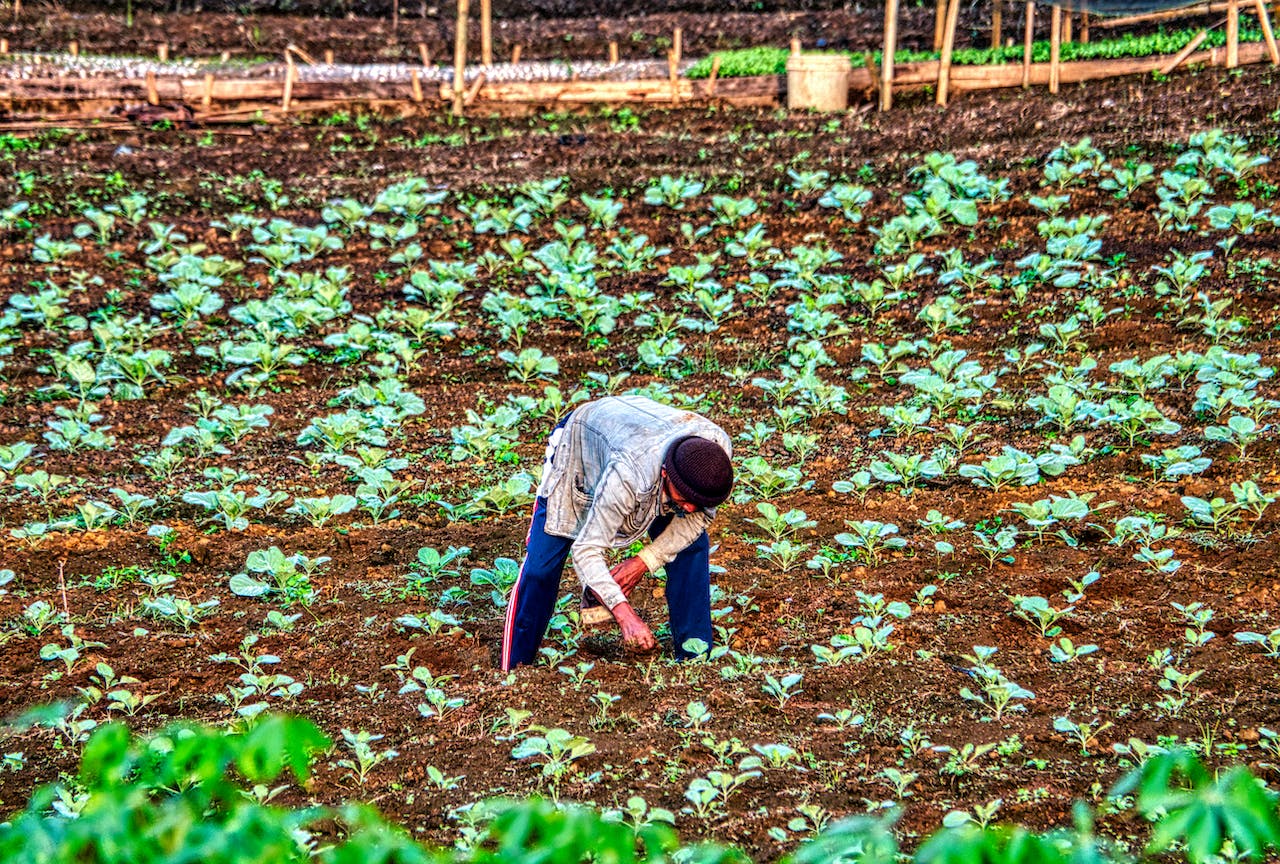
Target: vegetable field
{"x":1001,"y":383}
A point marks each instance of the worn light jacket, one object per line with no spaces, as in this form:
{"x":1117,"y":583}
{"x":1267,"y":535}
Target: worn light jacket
{"x":603,"y":484}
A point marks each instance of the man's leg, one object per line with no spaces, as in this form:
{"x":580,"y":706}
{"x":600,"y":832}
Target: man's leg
{"x":688,"y":592}
{"x":533,"y":598}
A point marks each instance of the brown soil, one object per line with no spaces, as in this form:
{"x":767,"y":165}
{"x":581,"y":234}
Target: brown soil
{"x":349,"y":636}
{"x":569,"y":37}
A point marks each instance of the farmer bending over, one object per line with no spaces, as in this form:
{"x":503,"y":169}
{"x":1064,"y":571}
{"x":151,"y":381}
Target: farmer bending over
{"x":615,"y":469}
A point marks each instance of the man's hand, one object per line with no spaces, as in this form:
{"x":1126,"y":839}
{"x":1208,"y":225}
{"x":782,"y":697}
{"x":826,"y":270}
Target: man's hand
{"x":628,"y":574}
{"x":636,"y":635}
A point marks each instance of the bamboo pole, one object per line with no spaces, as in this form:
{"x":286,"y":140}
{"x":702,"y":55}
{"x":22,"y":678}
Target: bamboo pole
{"x":677,"y":44}
{"x":1233,"y":34}
{"x":515,"y":54}
{"x":460,"y":57}
{"x":886,"y":57}
{"x":673,"y":74}
{"x":1055,"y":47}
{"x":328,"y":56}
{"x":1146,"y":17}
{"x":415,"y":85}
{"x":207,"y":99}
{"x":286,"y":97}
{"x":939,"y":23}
{"x":1084,"y":28}
{"x":1066,"y":25}
{"x":162,"y":52}
{"x":486,"y":32}
{"x":17,"y":9}
{"x":73,"y":47}
{"x":997,"y":23}
{"x":715,"y":73}
{"x":474,"y":90}
{"x":1189,"y":49}
{"x":226,"y":57}
{"x":1028,"y":30}
{"x":395,"y":14}
{"x":948,"y":46}
{"x":1264,"y":21}
{"x":613,"y":52}
{"x":4,"y":45}
{"x":153,"y":93}
{"x":795,"y":45}
{"x":423,"y":54}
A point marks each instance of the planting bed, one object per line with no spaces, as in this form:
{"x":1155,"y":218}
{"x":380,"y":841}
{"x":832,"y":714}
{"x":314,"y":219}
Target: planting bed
{"x":851,"y":732}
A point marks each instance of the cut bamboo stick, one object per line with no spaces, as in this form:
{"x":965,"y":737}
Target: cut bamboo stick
{"x":423,"y":54}
{"x":328,"y":56}
{"x":1264,"y":21}
{"x":474,"y":90}
{"x":715,"y":73}
{"x":1147,"y":17}
{"x":1180,"y":58}
{"x":1233,"y":34}
{"x":206,"y":99}
{"x":73,"y":48}
{"x":17,"y":8}
{"x":4,"y":46}
{"x":795,"y":44}
{"x":677,"y":44}
{"x":460,"y":57}
{"x":939,"y":23}
{"x":153,"y":93}
{"x":886,"y":56}
{"x":286,"y":98}
{"x":1055,"y":47}
{"x":673,"y":74}
{"x":613,"y":52}
{"x":948,"y":46}
{"x":1066,"y":25}
{"x":300,"y":54}
{"x":415,"y":85}
{"x":515,"y":54}
{"x":226,"y":57}
{"x":997,"y":24}
{"x":1084,"y":28}
{"x":1028,"y":30}
{"x":395,"y":14}
{"x":162,"y":52}
{"x":486,"y":32}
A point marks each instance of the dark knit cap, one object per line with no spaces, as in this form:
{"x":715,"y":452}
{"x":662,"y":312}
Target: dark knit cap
{"x":699,"y":470}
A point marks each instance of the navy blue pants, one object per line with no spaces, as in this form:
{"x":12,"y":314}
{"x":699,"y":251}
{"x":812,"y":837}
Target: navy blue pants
{"x":533,"y":599}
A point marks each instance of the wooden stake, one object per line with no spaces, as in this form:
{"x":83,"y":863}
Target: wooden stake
{"x":715,"y":73}
{"x":207,"y":99}
{"x":423,"y":54}
{"x":226,"y":56}
{"x":673,"y":67}
{"x":1187,"y":50}
{"x":287,"y":97}
{"x":1233,"y":34}
{"x":515,"y":54}
{"x":17,"y":9}
{"x":1026,"y":44}
{"x":1055,"y":47}
{"x":613,"y":52}
{"x":153,"y":94}
{"x":1066,"y":25}
{"x":886,"y":57}
{"x":4,"y":45}
{"x":948,"y":46}
{"x":162,"y":52}
{"x":328,"y":56}
{"x":939,"y":23}
{"x":460,"y":57}
{"x":395,"y":14}
{"x":997,"y":24}
{"x":795,"y":45}
{"x":73,"y":48}
{"x":1084,"y":28}
{"x":486,"y":32}
{"x":1264,"y":21}
{"x":677,"y":44}
{"x":415,"y":85}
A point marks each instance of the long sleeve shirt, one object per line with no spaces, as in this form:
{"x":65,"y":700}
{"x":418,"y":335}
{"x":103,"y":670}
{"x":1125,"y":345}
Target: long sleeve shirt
{"x":603,"y":484}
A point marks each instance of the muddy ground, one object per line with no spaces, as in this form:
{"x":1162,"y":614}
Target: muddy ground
{"x":349,"y":635}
